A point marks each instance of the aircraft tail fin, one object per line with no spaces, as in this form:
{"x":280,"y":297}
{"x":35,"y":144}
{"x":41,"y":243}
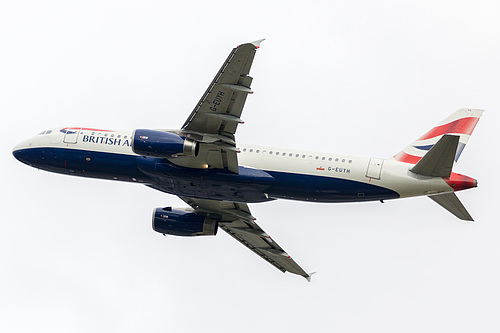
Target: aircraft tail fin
{"x":461,"y":123}
{"x":451,"y":203}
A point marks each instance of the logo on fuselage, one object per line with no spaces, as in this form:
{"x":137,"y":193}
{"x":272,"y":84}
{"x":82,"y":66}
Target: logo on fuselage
{"x":104,"y":140}
{"x":67,"y":131}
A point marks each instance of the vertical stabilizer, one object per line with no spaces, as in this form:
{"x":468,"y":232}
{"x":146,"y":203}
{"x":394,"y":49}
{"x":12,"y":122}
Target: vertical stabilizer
{"x":461,"y":123}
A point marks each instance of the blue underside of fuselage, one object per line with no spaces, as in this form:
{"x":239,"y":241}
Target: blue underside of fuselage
{"x":250,"y":185}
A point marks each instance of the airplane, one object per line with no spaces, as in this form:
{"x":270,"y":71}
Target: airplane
{"x":217,"y":178}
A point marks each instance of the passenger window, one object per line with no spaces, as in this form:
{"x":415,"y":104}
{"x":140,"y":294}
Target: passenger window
{"x":270,"y":152}
{"x":303,"y":156}
{"x":257,"y":151}
{"x":323,"y":158}
{"x":330,"y":159}
{"x":277,"y":153}
{"x":251,"y":150}
{"x":296,"y":155}
{"x":317,"y":157}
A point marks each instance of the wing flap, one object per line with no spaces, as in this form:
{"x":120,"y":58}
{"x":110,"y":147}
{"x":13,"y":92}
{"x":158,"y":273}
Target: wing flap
{"x":257,"y":240}
{"x":226,"y":95}
{"x":217,"y":115}
{"x":235,"y":219}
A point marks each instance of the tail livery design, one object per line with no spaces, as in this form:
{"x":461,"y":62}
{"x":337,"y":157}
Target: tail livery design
{"x":435,"y":153}
{"x":461,"y":123}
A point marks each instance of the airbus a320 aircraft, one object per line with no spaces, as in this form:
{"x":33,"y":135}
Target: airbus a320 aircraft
{"x":203,"y":165}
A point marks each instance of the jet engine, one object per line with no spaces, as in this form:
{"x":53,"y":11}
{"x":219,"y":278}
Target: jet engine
{"x":182,"y":223}
{"x":162,"y":144}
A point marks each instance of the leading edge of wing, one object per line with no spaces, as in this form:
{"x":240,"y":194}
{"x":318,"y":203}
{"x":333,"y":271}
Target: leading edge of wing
{"x":217,"y":115}
{"x":257,"y":240}
{"x":220,"y":107}
{"x":235,"y":219}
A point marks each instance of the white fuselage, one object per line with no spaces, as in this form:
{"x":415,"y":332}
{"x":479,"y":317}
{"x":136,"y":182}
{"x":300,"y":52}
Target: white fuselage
{"x":380,"y":173}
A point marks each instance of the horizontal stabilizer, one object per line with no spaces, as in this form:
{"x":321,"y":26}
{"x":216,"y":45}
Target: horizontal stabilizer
{"x":439,"y":160}
{"x":451,"y":203}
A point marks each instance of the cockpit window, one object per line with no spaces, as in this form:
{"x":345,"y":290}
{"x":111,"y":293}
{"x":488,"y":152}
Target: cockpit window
{"x":42,"y":133}
{"x":45,"y":132}
{"x":48,"y":132}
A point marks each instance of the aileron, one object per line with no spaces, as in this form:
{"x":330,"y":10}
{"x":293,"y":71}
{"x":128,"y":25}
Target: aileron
{"x":217,"y":114}
{"x":237,"y":221}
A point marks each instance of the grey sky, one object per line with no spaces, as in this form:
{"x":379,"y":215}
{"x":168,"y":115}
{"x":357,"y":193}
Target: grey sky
{"x":357,"y":77}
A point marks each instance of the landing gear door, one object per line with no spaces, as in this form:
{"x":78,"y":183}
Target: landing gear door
{"x":71,"y":134}
{"x":374,"y":168}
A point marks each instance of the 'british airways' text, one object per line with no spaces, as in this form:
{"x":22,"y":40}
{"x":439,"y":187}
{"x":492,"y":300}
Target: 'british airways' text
{"x":106,"y":141}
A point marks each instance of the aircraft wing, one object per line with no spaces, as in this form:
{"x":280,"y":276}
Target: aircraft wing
{"x":235,"y":219}
{"x":215,"y":118}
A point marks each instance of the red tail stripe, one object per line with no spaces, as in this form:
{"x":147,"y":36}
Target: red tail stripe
{"x":460,"y":126}
{"x":406,"y":158}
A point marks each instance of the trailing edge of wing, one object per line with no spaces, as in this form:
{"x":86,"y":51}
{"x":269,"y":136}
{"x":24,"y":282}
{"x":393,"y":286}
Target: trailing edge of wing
{"x":218,"y":113}
{"x":235,"y":219}
{"x":257,"y":240}
{"x":226,"y":95}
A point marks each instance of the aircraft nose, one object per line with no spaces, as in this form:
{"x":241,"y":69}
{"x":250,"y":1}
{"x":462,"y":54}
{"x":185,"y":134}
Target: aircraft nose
{"x":20,"y":152}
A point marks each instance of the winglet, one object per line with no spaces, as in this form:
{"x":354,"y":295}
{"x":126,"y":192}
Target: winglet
{"x":257,"y":43}
{"x":309,"y":276}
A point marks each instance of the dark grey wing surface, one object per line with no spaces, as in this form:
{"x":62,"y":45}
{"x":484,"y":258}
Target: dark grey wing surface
{"x":235,"y":219}
{"x":215,"y":118}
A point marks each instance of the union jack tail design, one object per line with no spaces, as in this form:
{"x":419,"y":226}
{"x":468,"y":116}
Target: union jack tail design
{"x":462,"y":123}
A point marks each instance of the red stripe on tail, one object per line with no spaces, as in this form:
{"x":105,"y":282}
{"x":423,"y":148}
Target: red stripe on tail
{"x":460,"y":126}
{"x":406,"y":158}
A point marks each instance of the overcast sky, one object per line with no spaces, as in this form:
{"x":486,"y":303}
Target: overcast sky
{"x":356,"y":77}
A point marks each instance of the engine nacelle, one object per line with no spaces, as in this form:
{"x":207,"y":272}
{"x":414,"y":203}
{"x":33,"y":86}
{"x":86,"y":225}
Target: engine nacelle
{"x":162,"y":144}
{"x":182,"y":223}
